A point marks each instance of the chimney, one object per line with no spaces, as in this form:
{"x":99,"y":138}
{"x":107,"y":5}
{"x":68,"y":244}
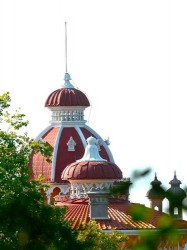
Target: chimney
{"x":98,"y":203}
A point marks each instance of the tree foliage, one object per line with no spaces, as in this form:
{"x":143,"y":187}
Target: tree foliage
{"x":166,"y":232}
{"x":26,"y":222}
{"x":97,"y":239}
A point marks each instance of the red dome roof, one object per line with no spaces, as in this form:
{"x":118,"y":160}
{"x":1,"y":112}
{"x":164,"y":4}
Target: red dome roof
{"x":67,"y":97}
{"x":91,"y":170}
{"x":58,"y":137}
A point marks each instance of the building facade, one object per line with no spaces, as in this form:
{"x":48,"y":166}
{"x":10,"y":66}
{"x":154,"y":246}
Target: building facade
{"x":83,"y":172}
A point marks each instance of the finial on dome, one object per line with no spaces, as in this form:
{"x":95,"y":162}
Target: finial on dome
{"x":91,"y":151}
{"x":155,"y":176}
{"x":156,"y":181}
{"x":175,"y":182}
{"x":67,"y":77}
{"x":175,"y":175}
{"x":67,"y":84}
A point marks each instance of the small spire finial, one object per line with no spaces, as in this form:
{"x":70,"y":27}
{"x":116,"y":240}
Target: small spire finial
{"x":66,"y":46}
{"x":155,"y":176}
{"x":175,"y":175}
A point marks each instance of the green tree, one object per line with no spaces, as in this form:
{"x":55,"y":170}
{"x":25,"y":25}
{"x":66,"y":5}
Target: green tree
{"x":26,"y":222}
{"x":96,"y":239}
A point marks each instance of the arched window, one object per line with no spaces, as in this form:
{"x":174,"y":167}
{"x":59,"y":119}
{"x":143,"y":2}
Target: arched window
{"x":176,"y":210}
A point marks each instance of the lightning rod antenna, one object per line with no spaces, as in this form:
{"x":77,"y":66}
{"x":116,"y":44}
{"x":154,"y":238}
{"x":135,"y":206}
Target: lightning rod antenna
{"x":66,"y":46}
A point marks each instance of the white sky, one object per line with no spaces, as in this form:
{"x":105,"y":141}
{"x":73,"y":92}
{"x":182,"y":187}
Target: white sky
{"x":129,"y":57}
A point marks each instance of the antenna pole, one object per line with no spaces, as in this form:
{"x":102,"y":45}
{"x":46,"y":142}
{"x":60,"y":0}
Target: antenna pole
{"x":66,"y":46}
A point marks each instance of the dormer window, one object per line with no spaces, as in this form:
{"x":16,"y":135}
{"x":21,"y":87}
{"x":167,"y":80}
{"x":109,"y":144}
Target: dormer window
{"x":71,"y":144}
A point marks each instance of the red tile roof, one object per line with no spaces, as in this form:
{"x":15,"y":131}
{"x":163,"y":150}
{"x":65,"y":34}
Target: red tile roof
{"x":119,"y":212}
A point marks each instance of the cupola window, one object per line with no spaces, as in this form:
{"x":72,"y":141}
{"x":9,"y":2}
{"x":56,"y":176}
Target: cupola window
{"x":176,"y":211}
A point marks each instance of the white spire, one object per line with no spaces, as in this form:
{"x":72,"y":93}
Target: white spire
{"x":91,"y":151}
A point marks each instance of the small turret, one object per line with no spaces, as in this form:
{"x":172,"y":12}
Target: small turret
{"x":175,"y":196}
{"x":156,"y":194}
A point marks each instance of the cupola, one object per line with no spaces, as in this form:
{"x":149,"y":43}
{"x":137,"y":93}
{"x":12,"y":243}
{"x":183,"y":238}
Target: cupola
{"x":156,"y":194}
{"x":175,"y":195}
{"x":67,"y":133}
{"x":91,"y":166}
{"x":91,"y":171}
{"x":68,"y":103}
